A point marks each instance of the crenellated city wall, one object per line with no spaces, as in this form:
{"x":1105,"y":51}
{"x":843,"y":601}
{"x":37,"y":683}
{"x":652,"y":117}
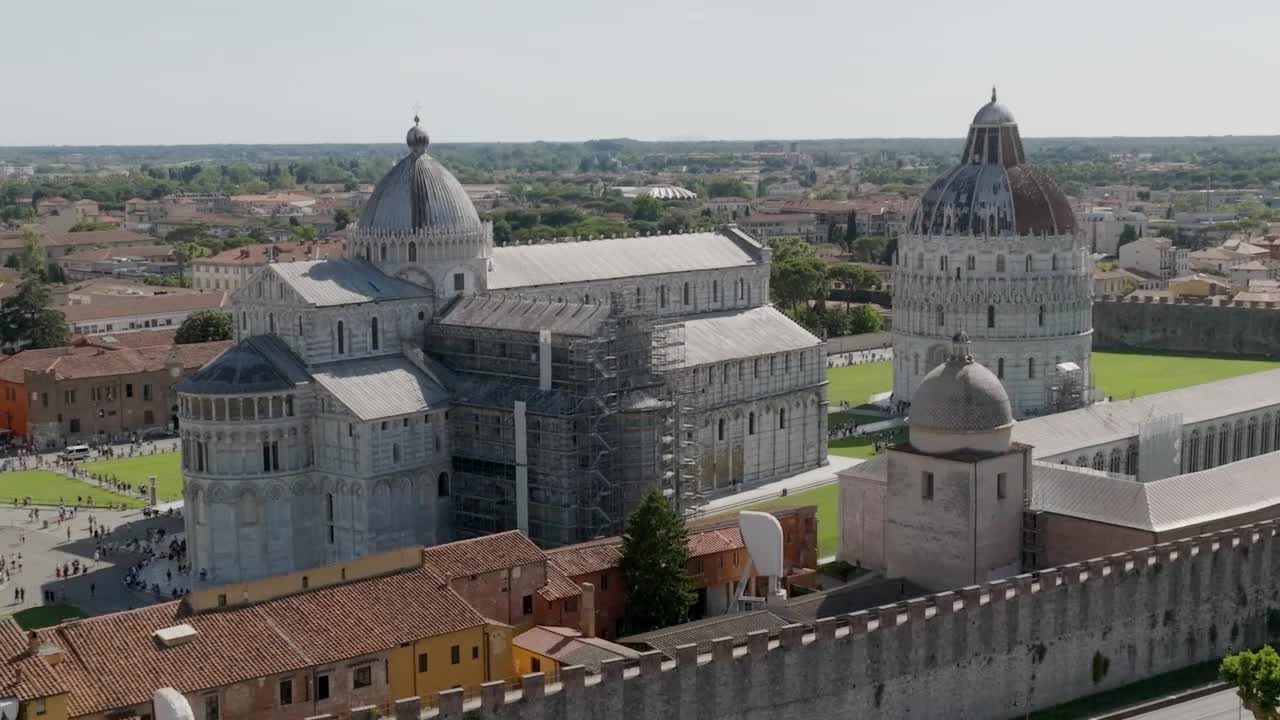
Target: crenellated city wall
{"x":990,"y":651}
{"x":1190,"y":325}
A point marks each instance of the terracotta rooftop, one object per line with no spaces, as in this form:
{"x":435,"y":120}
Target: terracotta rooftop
{"x":114,"y":662}
{"x":284,"y":252}
{"x":88,"y":239}
{"x":133,"y":339}
{"x":483,"y":554}
{"x":70,"y":363}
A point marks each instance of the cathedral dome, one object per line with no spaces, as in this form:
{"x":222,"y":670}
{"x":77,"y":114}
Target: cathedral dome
{"x":960,"y":396}
{"x":993,"y":191}
{"x":419,"y":193}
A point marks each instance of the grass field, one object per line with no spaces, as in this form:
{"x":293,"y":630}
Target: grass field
{"x":50,"y":488}
{"x":1120,"y":375}
{"x":167,"y":467}
{"x":825,"y":498}
{"x":45,"y":615}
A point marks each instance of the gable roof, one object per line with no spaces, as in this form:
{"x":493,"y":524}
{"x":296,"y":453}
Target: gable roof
{"x":343,"y":281}
{"x":113,"y":661}
{"x":380,"y":387}
{"x":1177,"y":502}
{"x":568,"y":647}
{"x":558,"y":263}
{"x":1109,"y":422}
{"x":717,"y":337}
{"x":480,"y":555}
{"x":511,"y":312}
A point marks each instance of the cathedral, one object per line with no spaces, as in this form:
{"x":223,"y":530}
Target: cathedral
{"x":993,"y":249}
{"x":429,"y":386}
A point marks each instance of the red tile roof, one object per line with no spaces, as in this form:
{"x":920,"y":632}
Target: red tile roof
{"x":105,"y":307}
{"x":69,"y":363}
{"x":483,"y":554}
{"x":559,"y":586}
{"x":285,"y":252}
{"x":113,"y":661}
{"x":133,"y":339}
{"x":589,"y":557}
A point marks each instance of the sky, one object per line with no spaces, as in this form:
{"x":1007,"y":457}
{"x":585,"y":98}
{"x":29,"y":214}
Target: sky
{"x":147,"y":72}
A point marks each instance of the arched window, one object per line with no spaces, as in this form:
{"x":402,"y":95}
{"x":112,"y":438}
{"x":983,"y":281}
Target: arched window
{"x":342,"y":338}
{"x":366,"y":253}
{"x":244,"y":321}
{"x":395,"y":452}
{"x":1210,"y":438}
{"x":1099,"y":462}
{"x":1224,"y":433}
{"x":917,"y":359}
{"x":1131,"y":460}
{"x":687,"y":295}
{"x":942,"y":316}
{"x":971,"y":263}
{"x":1031,"y":368}
{"x":662,"y":296}
{"x":1193,"y":451}
{"x":1053,"y":262}
{"x":1029,"y":264}
{"x":1116,"y":459}
{"x":1237,"y":441}
{"x":1082,"y":461}
{"x":1265,"y":444}
{"x":382,"y":251}
{"x":306,"y":583}
{"x":782,"y":419}
{"x":715,"y":291}
{"x":442,"y":485}
{"x":942,"y":263}
{"x":271,"y":323}
{"x":373,"y":333}
{"x":1000,"y":368}
{"x":299,"y":326}
{"x":991,"y":316}
{"x":720,"y":430}
{"x":999,"y":263}
{"x":413,"y":252}
{"x":1040,"y":315}
{"x":957,"y":273}
{"x":751,"y":423}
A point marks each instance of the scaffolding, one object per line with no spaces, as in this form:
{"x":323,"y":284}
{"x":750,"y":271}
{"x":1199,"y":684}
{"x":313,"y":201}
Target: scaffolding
{"x":610,"y":428}
{"x":1069,"y":390}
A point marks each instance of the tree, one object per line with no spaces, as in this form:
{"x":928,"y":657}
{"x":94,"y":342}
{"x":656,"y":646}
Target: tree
{"x":1256,"y":678}
{"x":865,"y":318}
{"x":188,"y":251}
{"x":54,"y":273}
{"x":646,"y":208}
{"x":851,"y":231}
{"x":304,"y":232}
{"x":853,"y":277}
{"x":1128,"y":235}
{"x":655,"y":559}
{"x":341,"y":218}
{"x":28,"y":318}
{"x":796,"y":275}
{"x":204,"y":326}
{"x":32,"y":257}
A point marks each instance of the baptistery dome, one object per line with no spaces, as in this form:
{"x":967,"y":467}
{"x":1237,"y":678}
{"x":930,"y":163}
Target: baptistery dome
{"x":993,"y":191}
{"x":419,"y":193}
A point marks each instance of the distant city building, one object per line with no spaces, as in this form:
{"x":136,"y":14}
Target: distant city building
{"x":1103,"y":226}
{"x":993,"y":248}
{"x":1155,"y":257}
{"x":102,"y":306}
{"x":768,"y":226}
{"x":229,"y":269}
{"x":661,"y":192}
{"x":1114,"y":282}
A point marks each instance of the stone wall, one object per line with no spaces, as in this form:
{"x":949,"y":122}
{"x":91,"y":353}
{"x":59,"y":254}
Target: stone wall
{"x":1068,"y":632}
{"x":1191,"y":325}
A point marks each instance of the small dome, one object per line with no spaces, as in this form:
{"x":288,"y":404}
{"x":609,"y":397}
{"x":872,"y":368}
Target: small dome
{"x":243,"y":368}
{"x":419,"y":193}
{"x":993,"y":113}
{"x":960,"y":396}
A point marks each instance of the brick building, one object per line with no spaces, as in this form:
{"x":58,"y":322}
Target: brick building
{"x":717,"y":556}
{"x":100,"y":389}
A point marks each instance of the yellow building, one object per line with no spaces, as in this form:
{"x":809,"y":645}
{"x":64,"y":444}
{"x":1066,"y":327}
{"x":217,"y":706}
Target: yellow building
{"x":1198,"y":285}
{"x":324,"y":641}
{"x":546,"y":649}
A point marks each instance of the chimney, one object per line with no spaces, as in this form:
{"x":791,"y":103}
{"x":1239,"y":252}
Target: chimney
{"x":587,"y":610}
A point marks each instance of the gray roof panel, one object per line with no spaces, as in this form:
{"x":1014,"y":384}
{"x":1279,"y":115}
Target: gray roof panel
{"x":380,"y":387}
{"x":510,"y":312}
{"x":1103,"y":423}
{"x":257,"y":364}
{"x":740,"y":334}
{"x":516,"y":266}
{"x":343,"y":281}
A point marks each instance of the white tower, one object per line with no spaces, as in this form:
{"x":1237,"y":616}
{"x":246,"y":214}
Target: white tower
{"x":993,"y":249}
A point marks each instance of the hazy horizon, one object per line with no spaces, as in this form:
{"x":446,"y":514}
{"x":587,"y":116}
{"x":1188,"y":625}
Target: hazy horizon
{"x":149,"y":72}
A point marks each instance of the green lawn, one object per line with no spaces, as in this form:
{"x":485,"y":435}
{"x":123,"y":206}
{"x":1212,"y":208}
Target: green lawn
{"x":1123,"y":375}
{"x":50,"y":488}
{"x":855,"y":384}
{"x":167,"y":467}
{"x":46,"y":615}
{"x":825,"y":498}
